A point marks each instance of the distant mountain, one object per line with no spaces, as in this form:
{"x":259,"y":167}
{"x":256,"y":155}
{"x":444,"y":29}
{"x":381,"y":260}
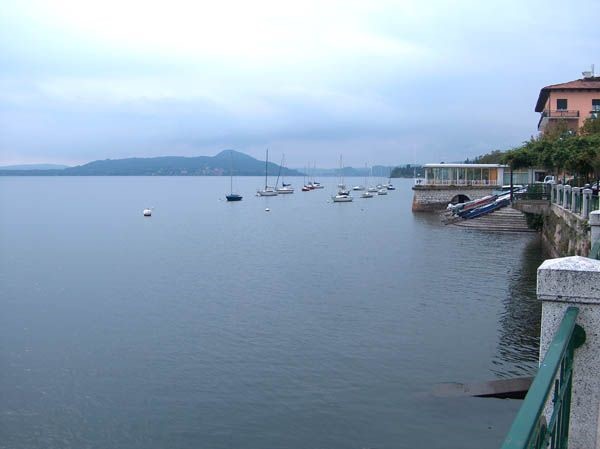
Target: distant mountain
{"x":34,"y":167}
{"x":377,"y":171}
{"x":243,"y":165}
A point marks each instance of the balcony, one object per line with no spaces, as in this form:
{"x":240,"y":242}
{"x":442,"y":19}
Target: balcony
{"x":557,"y":114}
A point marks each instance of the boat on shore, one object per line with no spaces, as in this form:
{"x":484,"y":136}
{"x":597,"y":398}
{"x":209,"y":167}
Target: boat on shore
{"x":468,"y":205}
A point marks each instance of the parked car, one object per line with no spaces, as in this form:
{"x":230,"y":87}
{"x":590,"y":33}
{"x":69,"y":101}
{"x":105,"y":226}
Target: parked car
{"x":549,"y":180}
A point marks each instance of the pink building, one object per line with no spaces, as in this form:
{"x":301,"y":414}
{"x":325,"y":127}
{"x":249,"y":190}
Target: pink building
{"x":571,"y":102}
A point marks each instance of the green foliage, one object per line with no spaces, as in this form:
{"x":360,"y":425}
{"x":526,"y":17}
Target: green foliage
{"x":493,"y":157}
{"x":535,"y":221}
{"x":561,"y":150}
{"x":407,"y":171}
{"x":590,"y":126}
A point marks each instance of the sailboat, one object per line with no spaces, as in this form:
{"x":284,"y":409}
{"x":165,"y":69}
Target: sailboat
{"x":314,"y":184}
{"x":285,"y":188}
{"x":267,"y":191}
{"x":367,"y":193}
{"x":343,"y":195}
{"x":232,"y":196}
{"x":389,"y":184}
{"x":305,"y":187}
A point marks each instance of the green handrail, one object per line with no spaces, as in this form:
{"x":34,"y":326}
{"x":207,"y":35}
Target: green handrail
{"x":529,"y":429}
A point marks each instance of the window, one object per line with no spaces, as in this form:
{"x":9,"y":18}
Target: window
{"x":561,"y":104}
{"x":596,"y":105}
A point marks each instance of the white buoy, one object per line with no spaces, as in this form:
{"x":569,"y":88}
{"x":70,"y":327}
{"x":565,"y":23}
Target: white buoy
{"x":267,"y":210}
{"x":147,"y":212}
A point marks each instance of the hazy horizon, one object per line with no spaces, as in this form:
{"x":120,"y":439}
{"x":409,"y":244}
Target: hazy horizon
{"x":381,"y":83}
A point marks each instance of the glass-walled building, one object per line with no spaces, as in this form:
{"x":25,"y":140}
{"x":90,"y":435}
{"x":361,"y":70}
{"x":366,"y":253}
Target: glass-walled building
{"x":464,"y":174}
{"x":477,"y":175}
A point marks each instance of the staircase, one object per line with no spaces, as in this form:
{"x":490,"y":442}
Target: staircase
{"x":506,"y":219}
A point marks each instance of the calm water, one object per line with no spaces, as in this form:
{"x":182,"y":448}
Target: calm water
{"x":219,"y":325}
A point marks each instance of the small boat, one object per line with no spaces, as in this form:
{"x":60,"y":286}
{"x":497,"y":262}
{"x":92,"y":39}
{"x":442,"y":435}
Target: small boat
{"x":341,"y":198}
{"x":468,"y":205}
{"x":284,"y":189}
{"x":372,"y":190}
{"x":358,"y":188}
{"x":382,"y":191}
{"x":366,"y":195}
{"x":267,"y":191}
{"x":147,"y":212}
{"x":478,"y":212}
{"x":233,"y":197}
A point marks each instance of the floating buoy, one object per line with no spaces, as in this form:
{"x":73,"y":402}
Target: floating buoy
{"x":267,"y":210}
{"x":147,"y":212}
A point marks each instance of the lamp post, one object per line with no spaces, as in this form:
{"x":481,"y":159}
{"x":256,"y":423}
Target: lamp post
{"x":511,"y":183}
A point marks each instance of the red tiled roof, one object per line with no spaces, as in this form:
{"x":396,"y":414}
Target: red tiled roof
{"x":592,"y":83}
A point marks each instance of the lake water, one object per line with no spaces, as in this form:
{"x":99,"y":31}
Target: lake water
{"x":220,"y":325}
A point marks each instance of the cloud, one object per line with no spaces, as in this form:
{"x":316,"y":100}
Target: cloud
{"x":396,"y":80}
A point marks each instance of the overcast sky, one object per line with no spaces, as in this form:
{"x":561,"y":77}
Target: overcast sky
{"x":384,"y":82}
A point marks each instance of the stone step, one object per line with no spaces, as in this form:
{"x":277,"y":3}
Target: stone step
{"x":506,"y":219}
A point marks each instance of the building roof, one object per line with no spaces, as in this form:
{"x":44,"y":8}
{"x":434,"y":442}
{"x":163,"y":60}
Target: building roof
{"x":591,"y":83}
{"x":464,"y":165}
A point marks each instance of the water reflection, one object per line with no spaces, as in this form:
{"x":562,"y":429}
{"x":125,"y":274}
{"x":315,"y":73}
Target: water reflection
{"x":519,"y":323}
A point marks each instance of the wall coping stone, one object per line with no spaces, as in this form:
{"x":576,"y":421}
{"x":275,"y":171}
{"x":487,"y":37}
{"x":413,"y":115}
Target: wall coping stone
{"x":569,"y":279}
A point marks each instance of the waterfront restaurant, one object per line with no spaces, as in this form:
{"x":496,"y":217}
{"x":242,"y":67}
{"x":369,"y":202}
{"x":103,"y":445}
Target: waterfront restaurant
{"x":476,"y":175}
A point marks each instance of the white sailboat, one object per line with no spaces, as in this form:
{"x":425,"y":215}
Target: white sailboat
{"x":343,"y":195}
{"x":367,"y":193}
{"x":268,"y":190}
{"x":285,"y":188}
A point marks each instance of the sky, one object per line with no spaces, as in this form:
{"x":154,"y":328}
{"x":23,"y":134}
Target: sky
{"x":378,"y":82}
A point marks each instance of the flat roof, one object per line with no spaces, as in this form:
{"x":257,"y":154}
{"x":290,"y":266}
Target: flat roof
{"x":464,"y":166}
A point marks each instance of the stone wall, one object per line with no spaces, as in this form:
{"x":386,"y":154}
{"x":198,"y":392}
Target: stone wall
{"x":432,"y":198}
{"x":565,"y":233}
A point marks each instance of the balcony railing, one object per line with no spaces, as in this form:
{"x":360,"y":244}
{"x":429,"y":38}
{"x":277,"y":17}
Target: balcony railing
{"x":558,"y":113}
{"x":455,"y":182}
{"x":530,"y":429}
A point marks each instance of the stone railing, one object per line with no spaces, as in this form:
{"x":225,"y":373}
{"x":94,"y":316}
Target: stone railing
{"x":579,"y":201}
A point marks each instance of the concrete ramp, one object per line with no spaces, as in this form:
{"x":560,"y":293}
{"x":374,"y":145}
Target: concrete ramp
{"x":506,"y":219}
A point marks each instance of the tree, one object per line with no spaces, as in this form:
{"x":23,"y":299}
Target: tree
{"x":591,"y":126}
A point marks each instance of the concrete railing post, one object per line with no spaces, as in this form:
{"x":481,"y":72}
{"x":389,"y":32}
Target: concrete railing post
{"x":587,"y":196}
{"x":595,"y":226}
{"x":559,"y":189}
{"x":552,"y":193}
{"x":562,"y":283}
{"x":567,"y":197}
{"x":574,"y":199}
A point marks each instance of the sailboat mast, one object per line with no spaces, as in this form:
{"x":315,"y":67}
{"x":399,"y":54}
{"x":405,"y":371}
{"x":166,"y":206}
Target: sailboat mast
{"x":231,"y":171}
{"x":279,"y":173}
{"x":266,"y":165}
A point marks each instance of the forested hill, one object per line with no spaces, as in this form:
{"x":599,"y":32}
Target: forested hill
{"x":243,"y":165}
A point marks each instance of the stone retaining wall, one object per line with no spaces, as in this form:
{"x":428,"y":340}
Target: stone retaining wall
{"x":565,"y":233}
{"x":432,"y":198}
